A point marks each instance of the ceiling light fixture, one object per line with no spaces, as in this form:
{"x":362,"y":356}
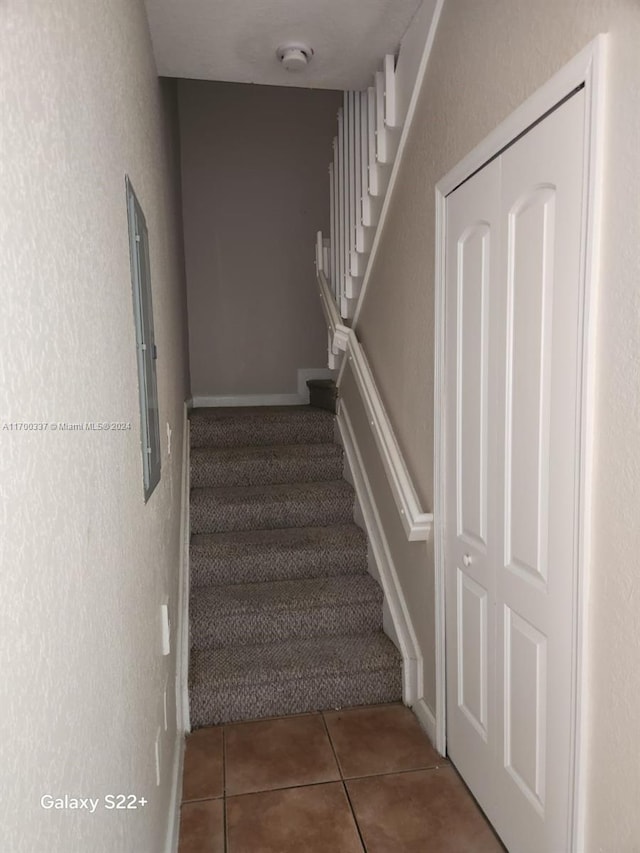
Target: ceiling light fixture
{"x":294,"y":57}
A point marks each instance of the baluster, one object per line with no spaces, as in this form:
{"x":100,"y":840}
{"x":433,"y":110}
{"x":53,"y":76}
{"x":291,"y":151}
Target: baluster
{"x":391,"y":106}
{"x":332,"y":224}
{"x":340,"y":275}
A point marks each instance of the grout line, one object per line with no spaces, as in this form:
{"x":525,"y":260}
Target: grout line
{"x":344,"y":785}
{"x":355,"y":819}
{"x":323,"y":782}
{"x":201,"y":800}
{"x":267,"y":719}
{"x":285,"y":788}
{"x":397,"y":772}
{"x":333,"y":749}
{"x":224,"y":791}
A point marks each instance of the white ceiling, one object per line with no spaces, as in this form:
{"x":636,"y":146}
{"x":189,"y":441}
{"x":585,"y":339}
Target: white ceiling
{"x":236,"y":40}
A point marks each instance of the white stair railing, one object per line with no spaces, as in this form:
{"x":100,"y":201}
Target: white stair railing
{"x":364,"y":150}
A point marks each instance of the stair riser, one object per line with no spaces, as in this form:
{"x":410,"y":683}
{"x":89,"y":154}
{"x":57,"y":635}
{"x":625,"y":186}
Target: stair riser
{"x":267,"y":626}
{"x":207,"y":568}
{"x":212,"y":516}
{"x":209,"y":433}
{"x":249,"y":702}
{"x":261,"y":472}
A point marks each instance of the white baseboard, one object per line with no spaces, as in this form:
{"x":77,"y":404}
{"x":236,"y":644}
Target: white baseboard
{"x":173,"y":828}
{"x":427,"y":719}
{"x":299,"y":398}
{"x":182,"y":627}
{"x":248,"y":400}
{"x":412,"y":661}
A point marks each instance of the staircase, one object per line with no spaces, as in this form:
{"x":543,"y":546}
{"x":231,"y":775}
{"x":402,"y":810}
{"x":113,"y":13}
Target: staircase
{"x":284,"y":617}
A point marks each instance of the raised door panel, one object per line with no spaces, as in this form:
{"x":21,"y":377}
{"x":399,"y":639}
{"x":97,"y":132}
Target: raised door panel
{"x":473,"y":267}
{"x":472,"y":687}
{"x":525,"y":694}
{"x":530,"y":252}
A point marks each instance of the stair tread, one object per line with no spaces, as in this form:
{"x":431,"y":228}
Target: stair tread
{"x":246,"y":556}
{"x":217,"y":467}
{"x":227,"y":414}
{"x":336,"y":535}
{"x":269,"y":506}
{"x":293,"y":660}
{"x":285,"y":595}
{"x":266,"y":451}
{"x":271,"y":492}
{"x":260,"y":425}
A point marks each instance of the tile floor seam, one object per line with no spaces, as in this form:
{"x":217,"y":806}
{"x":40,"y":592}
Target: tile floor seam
{"x":286,"y":788}
{"x":333,"y":749}
{"x":232,"y":724}
{"x":200,"y":800}
{"x":396,"y":772}
{"x":225,"y":833}
{"x":324,"y":782}
{"x":344,"y":785}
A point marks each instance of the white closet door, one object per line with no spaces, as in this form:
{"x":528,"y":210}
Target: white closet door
{"x":511,"y":561}
{"x":538,"y":431}
{"x":472,"y":262}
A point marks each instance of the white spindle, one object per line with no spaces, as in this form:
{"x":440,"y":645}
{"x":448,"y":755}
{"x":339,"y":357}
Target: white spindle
{"x":336,"y":217}
{"x":371,"y":120}
{"x":356,"y":266}
{"x":391,"y":112}
{"x":332,"y":224}
{"x":341,"y":222}
{"x":363,"y":232}
{"x":383,"y":137}
{"x":348,"y":189}
{"x":346,"y":247}
{"x":353,"y":282}
{"x":320,"y":253}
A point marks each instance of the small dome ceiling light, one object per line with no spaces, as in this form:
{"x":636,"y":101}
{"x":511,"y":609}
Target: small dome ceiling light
{"x":294,"y":57}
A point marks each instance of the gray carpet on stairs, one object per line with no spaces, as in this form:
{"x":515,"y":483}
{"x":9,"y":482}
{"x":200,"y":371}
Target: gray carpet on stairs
{"x":284,"y":617}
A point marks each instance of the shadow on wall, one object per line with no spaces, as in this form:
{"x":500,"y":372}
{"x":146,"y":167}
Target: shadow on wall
{"x":255,"y":192}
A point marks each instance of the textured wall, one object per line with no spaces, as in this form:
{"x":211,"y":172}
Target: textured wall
{"x":487,"y":58}
{"x":410,"y":558}
{"x":255,"y":192}
{"x":85,"y":564}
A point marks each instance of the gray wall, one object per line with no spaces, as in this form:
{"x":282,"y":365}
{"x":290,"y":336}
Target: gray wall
{"x":255,"y":191}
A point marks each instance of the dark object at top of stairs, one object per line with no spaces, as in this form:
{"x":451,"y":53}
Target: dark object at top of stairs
{"x":323,"y":393}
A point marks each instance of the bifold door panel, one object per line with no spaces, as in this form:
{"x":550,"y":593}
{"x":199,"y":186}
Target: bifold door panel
{"x":513,"y":289}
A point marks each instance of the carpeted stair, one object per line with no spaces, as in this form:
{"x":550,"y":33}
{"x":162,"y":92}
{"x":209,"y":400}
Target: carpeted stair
{"x":284,"y":617}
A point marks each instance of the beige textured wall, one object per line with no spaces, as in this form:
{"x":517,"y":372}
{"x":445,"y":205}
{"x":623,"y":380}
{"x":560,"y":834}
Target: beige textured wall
{"x":410,"y":558}
{"x":487,"y":58}
{"x":85,"y":563}
{"x":255,"y":192}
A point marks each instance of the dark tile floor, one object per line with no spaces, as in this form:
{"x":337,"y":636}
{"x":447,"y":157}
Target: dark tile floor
{"x":364,"y":779}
